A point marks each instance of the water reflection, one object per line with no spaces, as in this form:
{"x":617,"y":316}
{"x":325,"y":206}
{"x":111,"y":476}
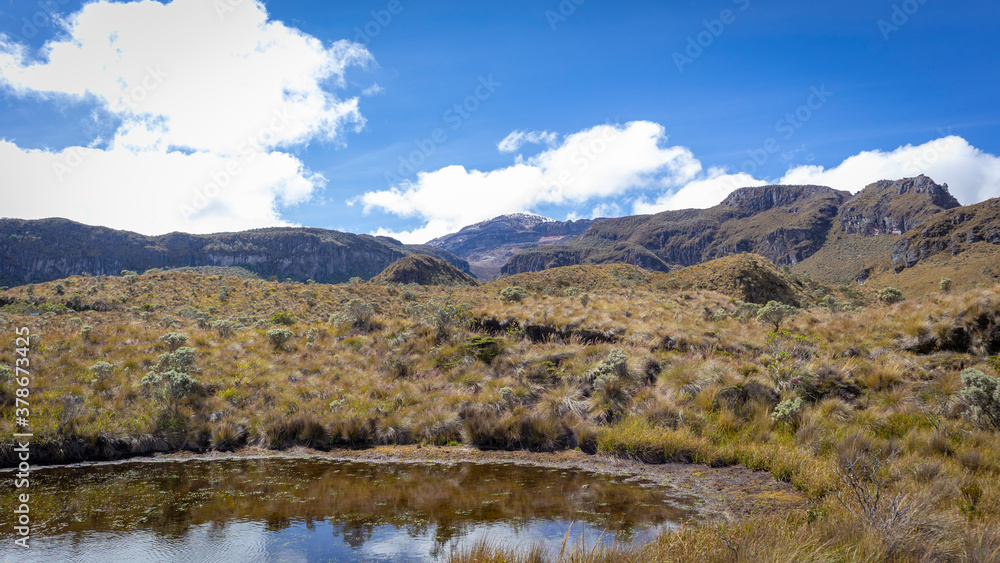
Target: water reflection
{"x":309,"y":509}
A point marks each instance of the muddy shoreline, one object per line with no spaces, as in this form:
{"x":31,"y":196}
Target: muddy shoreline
{"x":728,"y":493}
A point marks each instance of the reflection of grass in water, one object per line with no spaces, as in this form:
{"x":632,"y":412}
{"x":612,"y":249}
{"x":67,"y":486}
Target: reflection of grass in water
{"x":170,"y":498}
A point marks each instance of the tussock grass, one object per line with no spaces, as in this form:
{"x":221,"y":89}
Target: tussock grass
{"x":418,"y":371}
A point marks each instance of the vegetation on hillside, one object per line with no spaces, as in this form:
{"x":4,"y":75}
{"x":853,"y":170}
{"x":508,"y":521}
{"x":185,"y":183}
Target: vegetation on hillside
{"x":869,"y":409}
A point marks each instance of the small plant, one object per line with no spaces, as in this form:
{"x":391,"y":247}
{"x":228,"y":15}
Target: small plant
{"x":584,"y":299}
{"x":225,"y":328}
{"x":283,"y":319}
{"x":101,"y":371}
{"x":513,"y":294}
{"x":484,"y":348}
{"x":982,"y":394}
{"x":359,"y":314}
{"x":85,"y":331}
{"x":864,"y":486}
{"x":60,"y":289}
{"x":355,"y":281}
{"x":945,"y":285}
{"x":174,"y":340}
{"x":775,"y":313}
{"x":225,"y":292}
{"x":311,"y":337}
{"x":279,"y":337}
{"x":130,"y":276}
{"x":890,"y":296}
{"x":172,"y":386}
{"x":787,"y":411}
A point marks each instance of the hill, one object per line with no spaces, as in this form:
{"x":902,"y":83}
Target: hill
{"x":487,"y":246}
{"x":422,"y":269}
{"x":785,"y":224}
{"x":826,"y":234}
{"x":49,"y":249}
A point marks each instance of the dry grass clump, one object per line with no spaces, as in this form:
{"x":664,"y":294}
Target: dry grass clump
{"x":638,"y":370}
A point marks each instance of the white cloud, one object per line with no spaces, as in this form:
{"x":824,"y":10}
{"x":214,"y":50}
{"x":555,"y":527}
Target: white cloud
{"x":517,"y":139}
{"x":633,"y":161}
{"x":607,"y":160}
{"x":373,"y":90}
{"x":971,"y":174}
{"x":698,"y":194}
{"x":230,"y":88}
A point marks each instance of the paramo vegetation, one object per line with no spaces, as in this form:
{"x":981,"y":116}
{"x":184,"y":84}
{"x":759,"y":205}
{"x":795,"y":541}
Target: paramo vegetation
{"x":882,"y":410}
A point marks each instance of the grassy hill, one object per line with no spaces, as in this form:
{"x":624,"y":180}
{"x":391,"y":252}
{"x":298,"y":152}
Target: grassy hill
{"x":422,"y":269}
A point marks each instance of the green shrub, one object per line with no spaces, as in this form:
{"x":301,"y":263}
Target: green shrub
{"x":279,"y":337}
{"x":484,"y":348}
{"x":982,"y":394}
{"x":101,"y":371}
{"x":130,"y":276}
{"x":283,"y":319}
{"x":359,"y":314}
{"x":173,"y":340}
{"x":890,"y":296}
{"x":171,"y":386}
{"x":787,"y":411}
{"x":513,"y":294}
{"x":85,"y":331}
{"x":945,"y":285}
{"x":226,"y":328}
{"x":775,"y":313}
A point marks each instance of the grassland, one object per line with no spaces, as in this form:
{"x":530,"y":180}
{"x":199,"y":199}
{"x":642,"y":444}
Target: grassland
{"x":842,"y":402}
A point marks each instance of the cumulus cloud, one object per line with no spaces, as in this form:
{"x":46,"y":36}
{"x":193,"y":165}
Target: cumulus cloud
{"x":200,"y":93}
{"x":636,"y":167}
{"x":518,"y":139}
{"x":604,"y":161}
{"x":971,"y":174}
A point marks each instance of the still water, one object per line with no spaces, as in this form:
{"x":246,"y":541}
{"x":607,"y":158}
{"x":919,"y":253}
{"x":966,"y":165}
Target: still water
{"x":311,"y":509}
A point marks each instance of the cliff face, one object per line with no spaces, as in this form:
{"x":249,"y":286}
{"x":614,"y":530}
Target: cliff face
{"x":490,"y":244}
{"x":45,"y":250}
{"x":894,"y":207}
{"x":785,"y":224}
{"x":952,"y":231}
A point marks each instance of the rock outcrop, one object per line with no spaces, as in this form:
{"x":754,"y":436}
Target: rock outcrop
{"x":952,"y":231}
{"x":894,"y":207}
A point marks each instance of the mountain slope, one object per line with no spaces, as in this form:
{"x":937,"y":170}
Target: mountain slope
{"x":782,"y":223}
{"x":424,"y":270}
{"x":490,"y":244}
{"x":49,"y":249}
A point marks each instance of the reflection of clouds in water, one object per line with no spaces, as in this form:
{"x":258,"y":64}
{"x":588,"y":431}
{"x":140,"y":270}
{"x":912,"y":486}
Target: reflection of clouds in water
{"x":206,"y":543}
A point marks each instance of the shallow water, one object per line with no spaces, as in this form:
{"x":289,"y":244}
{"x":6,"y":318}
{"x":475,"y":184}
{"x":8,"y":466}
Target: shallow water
{"x":280,"y":509}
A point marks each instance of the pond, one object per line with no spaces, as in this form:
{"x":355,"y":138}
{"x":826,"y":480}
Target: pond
{"x":309,"y":509}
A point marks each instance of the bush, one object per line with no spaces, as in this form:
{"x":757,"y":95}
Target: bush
{"x":283,"y":319}
{"x":172,"y":386}
{"x":484,"y":348}
{"x":278,"y":337}
{"x":85,"y":332}
{"x":101,"y":371}
{"x":130,"y":276}
{"x":945,"y":285}
{"x":787,"y":411}
{"x":225,"y":328}
{"x":775,"y":313}
{"x":173,"y":340}
{"x":982,"y":394}
{"x":513,"y":294}
{"x":890,"y":296}
{"x":360,"y":314}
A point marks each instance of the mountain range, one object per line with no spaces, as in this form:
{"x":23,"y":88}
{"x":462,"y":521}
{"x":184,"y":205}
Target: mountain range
{"x":892,"y":231}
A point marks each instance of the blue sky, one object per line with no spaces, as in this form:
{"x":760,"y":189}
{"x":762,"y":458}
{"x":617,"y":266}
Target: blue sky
{"x":902,"y":87}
